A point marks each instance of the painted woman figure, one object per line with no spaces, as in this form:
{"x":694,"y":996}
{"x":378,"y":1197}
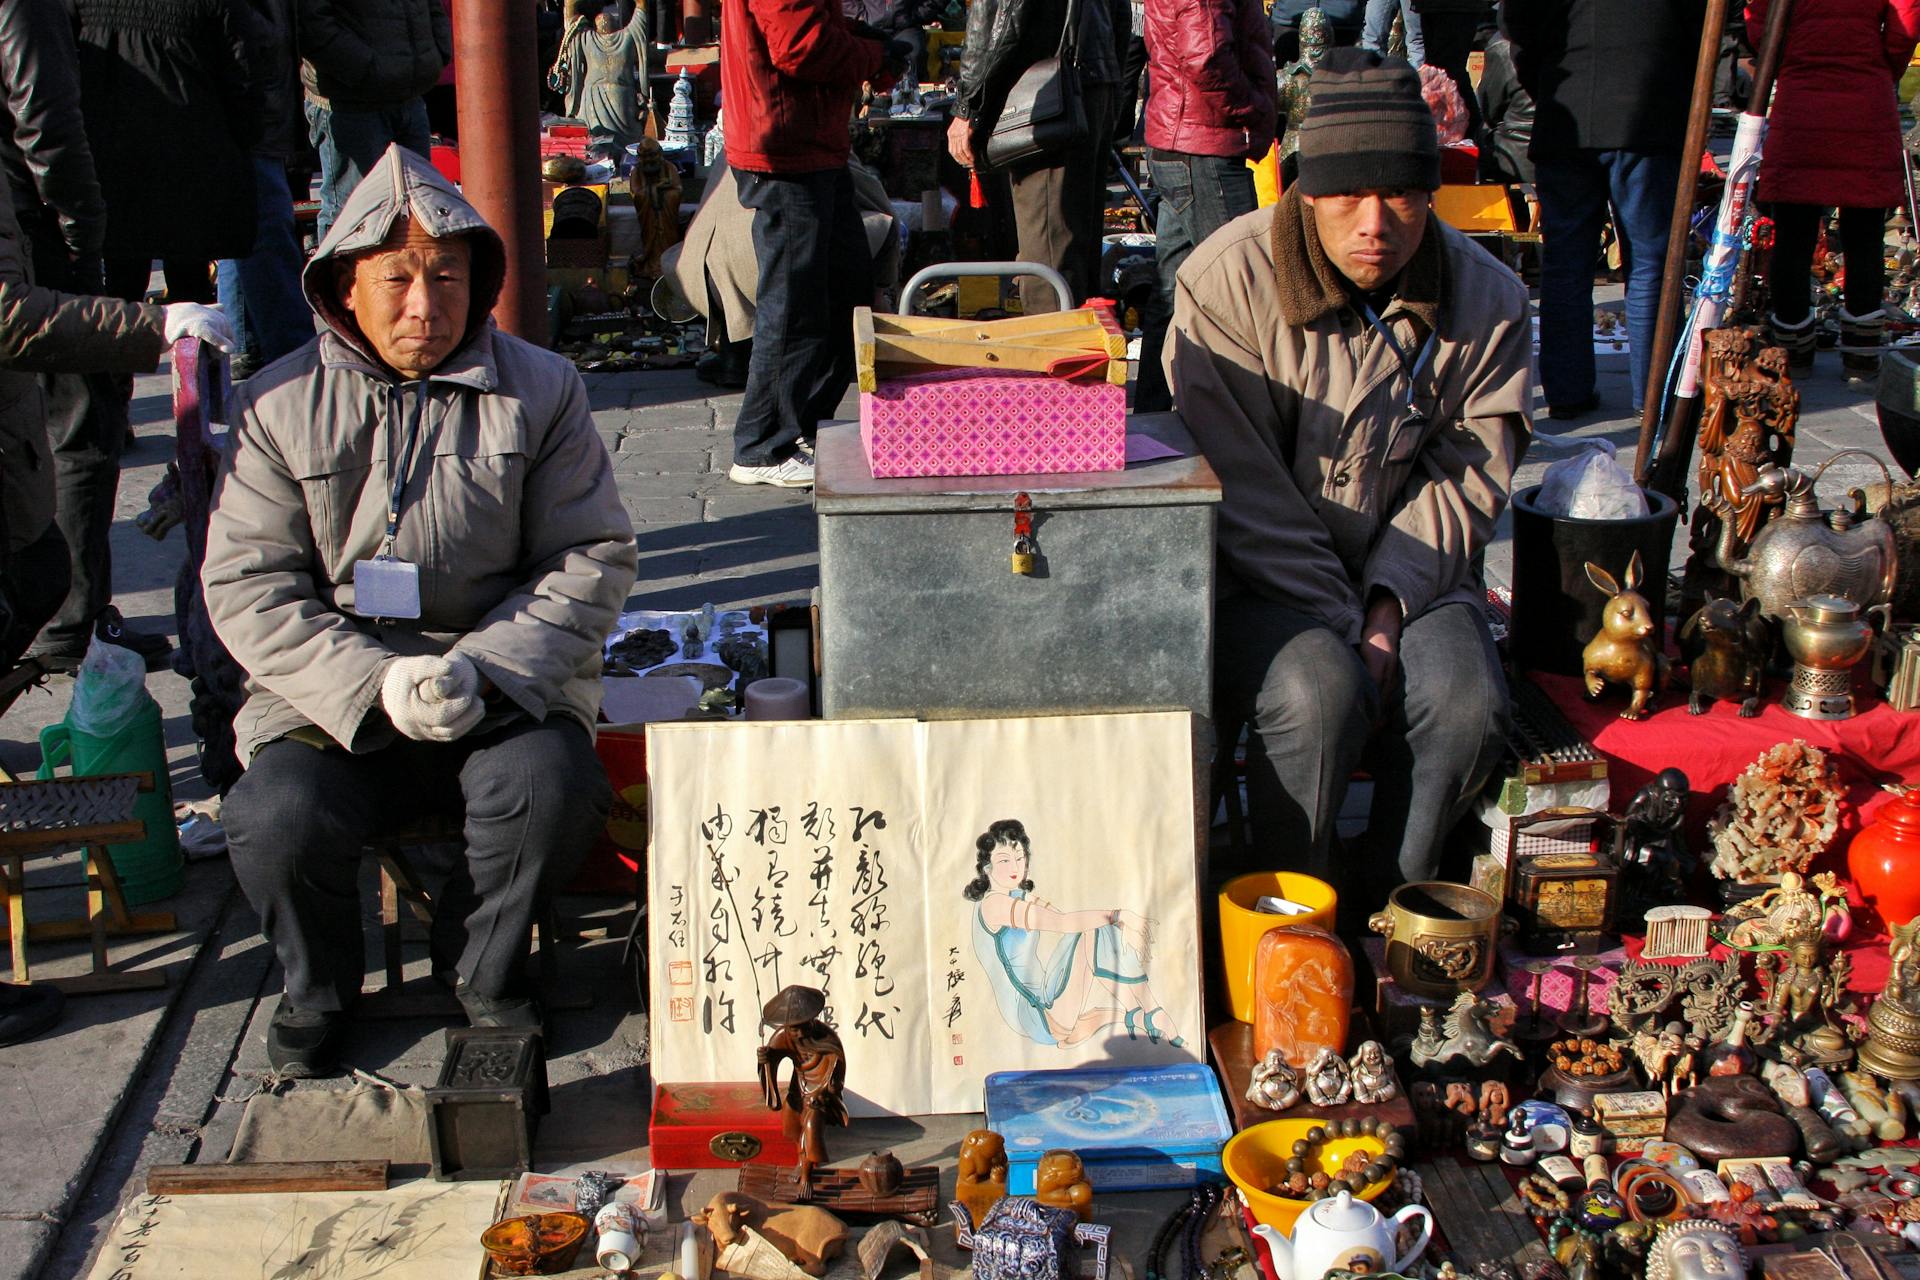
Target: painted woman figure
{"x":1059,"y":977}
{"x":602,"y":70}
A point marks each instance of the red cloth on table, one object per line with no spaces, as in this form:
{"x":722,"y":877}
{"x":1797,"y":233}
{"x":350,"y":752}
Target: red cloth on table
{"x":1878,"y":745}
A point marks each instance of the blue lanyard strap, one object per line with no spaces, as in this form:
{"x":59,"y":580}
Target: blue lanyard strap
{"x":405,"y":468}
{"x":1399,"y":352}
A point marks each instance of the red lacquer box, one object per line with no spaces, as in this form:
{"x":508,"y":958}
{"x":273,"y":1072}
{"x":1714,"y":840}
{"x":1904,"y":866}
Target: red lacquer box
{"x":716,"y":1126}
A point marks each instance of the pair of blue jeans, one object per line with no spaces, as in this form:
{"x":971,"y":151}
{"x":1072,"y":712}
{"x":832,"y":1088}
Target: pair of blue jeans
{"x":350,"y":141}
{"x":1198,"y":196}
{"x":1378,"y":25}
{"x":261,"y":292}
{"x":1575,"y":190}
{"x":815,"y":268}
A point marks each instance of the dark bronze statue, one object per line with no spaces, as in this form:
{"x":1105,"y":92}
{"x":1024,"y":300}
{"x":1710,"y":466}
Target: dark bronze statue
{"x":812,"y":1099}
{"x":1726,"y":644}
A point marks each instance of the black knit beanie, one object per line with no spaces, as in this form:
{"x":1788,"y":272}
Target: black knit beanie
{"x":1367,"y":129}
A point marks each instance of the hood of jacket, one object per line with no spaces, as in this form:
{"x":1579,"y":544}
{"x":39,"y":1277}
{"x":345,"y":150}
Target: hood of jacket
{"x":403,"y":184}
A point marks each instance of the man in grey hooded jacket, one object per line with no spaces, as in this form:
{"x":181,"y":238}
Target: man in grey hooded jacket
{"x":416,"y":551}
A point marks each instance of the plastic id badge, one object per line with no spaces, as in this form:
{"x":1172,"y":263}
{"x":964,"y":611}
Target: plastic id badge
{"x":386,"y":588}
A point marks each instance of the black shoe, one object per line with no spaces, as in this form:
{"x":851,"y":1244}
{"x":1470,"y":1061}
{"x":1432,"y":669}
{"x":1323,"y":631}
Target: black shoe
{"x":113,"y":628}
{"x":1578,"y":409}
{"x":511,"y":1011}
{"x":59,"y":662}
{"x":26,"y":1011}
{"x":304,"y":1044}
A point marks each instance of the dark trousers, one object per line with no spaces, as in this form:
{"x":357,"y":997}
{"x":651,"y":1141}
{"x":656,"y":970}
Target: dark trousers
{"x":1796,"y":234}
{"x":814,"y":270}
{"x":261,"y":292}
{"x":1059,"y":211}
{"x":1198,"y":196}
{"x":1575,"y":190}
{"x":1133,"y":70}
{"x":188,"y":280}
{"x":532,"y":795}
{"x":351,"y":141}
{"x":87,"y":431}
{"x":1449,"y":43}
{"x":1315,"y":715}
{"x":31,"y":588}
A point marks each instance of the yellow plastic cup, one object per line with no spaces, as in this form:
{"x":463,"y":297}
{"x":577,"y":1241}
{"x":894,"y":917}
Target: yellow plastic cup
{"x":1241,"y":926}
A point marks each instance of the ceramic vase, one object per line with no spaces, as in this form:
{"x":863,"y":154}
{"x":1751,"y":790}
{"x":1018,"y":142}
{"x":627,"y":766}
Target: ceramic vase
{"x":1884,"y":859}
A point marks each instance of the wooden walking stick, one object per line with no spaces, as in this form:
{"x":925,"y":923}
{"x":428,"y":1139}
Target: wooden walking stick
{"x":1664,"y":469}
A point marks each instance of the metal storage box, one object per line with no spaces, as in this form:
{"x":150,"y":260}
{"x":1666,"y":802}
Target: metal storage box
{"x":921,"y":613}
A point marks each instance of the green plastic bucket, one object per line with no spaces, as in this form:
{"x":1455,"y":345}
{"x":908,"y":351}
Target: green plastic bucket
{"x":149,"y":869}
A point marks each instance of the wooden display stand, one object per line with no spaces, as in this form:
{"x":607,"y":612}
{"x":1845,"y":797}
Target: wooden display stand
{"x":56,"y":816}
{"x":1232,"y":1046}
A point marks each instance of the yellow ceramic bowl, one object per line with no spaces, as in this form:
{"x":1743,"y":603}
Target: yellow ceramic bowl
{"x":1241,"y":926}
{"x":1256,"y":1159}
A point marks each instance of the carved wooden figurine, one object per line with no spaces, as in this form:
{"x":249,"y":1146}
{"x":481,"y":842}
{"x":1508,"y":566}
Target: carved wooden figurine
{"x":982,"y":1176}
{"x":1060,"y":1181}
{"x":1625,"y":651}
{"x":812,"y":1098}
{"x":809,"y":1236}
{"x":655,"y":184}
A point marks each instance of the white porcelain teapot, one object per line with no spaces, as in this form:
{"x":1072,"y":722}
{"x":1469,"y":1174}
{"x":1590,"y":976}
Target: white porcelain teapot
{"x":1342,"y":1231}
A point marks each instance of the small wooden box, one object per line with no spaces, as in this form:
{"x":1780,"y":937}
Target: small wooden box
{"x":1563,"y":878}
{"x":482,"y":1113}
{"x":716,"y":1126}
{"x":1631,"y":1119}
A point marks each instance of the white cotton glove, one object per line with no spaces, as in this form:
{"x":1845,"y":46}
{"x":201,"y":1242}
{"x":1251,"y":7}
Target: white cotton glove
{"x":192,"y":320}
{"x":433,"y":699}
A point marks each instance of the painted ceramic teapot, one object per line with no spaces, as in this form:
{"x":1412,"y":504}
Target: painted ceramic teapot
{"x":1344,"y":1233}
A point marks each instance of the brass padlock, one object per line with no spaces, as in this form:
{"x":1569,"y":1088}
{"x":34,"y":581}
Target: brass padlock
{"x":1023,"y":557}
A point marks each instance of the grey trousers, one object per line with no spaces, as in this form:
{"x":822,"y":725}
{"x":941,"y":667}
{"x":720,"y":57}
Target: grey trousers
{"x":532,"y":795}
{"x":1059,"y":211}
{"x":1314,"y":715}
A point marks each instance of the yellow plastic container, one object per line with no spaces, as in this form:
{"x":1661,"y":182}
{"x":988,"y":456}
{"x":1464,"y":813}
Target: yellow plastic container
{"x":1241,"y":926}
{"x":1256,"y":1159}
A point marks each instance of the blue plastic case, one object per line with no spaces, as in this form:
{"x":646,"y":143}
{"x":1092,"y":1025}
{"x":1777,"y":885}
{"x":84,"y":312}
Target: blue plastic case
{"x":1134,"y":1128}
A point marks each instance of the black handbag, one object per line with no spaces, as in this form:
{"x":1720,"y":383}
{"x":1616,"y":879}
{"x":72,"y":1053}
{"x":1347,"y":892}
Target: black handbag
{"x":1044,"y":115}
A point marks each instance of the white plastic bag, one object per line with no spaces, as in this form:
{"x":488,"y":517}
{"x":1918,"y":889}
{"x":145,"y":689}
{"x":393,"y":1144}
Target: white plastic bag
{"x":109,"y":691}
{"x":1591,"y":485}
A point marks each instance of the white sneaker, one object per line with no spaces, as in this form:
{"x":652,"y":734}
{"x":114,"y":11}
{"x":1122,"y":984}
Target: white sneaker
{"x":796,"y":472}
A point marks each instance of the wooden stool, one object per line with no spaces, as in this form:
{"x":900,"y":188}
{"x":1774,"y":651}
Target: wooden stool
{"x":53,"y":817}
{"x":400,"y":883}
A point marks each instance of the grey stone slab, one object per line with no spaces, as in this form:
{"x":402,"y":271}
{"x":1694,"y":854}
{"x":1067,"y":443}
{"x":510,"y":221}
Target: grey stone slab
{"x":684,"y":415}
{"x":661,"y":511}
{"x":685,"y":462}
{"x":750,"y":500}
{"x":24,"y":1244}
{"x":640,"y":485}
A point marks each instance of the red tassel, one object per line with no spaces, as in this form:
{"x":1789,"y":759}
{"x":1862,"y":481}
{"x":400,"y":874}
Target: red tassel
{"x":976,"y":194}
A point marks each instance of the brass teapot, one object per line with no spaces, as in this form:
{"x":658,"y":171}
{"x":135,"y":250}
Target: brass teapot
{"x":1805,"y":551}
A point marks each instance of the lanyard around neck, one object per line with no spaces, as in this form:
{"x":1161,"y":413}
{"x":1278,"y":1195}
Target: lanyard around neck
{"x":405,"y":468}
{"x":1399,"y":352}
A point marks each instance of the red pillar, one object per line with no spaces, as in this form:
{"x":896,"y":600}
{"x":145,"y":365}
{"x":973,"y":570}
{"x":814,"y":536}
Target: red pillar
{"x":496,"y":49}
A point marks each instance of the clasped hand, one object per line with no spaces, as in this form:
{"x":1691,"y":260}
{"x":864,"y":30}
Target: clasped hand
{"x":431,"y":698}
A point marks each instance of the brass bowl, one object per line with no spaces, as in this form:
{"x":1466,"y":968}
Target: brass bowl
{"x":539,"y":1244}
{"x":1440,"y":937}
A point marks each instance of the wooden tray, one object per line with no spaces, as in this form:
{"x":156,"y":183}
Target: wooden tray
{"x":888,"y":346}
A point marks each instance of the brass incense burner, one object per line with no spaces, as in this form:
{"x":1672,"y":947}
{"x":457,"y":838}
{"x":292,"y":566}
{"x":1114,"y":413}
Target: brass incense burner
{"x":1440,"y":937}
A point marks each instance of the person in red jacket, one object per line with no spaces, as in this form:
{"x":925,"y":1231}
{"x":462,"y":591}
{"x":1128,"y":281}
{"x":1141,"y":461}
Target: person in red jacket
{"x":1834,"y":132}
{"x":789,"y":70}
{"x":1211,"y":107}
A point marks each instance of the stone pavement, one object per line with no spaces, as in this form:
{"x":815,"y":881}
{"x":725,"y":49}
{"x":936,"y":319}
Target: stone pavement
{"x":159,"y":1076}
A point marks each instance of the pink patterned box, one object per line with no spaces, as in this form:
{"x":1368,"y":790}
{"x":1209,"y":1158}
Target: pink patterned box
{"x":1558,"y":984}
{"x":976,"y":422}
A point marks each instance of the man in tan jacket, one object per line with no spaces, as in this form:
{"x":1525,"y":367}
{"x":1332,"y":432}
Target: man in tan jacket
{"x":416,"y":552}
{"x":1359,"y":375}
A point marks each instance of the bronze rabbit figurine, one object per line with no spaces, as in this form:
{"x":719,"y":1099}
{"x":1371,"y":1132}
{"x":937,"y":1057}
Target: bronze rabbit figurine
{"x":1625,"y":651}
{"x":1732,"y":652}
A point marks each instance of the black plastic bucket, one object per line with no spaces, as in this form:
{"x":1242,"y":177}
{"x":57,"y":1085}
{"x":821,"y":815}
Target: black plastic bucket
{"x":1556,"y":611}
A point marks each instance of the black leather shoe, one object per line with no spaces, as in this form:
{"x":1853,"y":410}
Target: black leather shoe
{"x":26,"y":1011}
{"x":509,"y":1012}
{"x":114,"y":629}
{"x":304,"y":1044}
{"x":1578,"y":409}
